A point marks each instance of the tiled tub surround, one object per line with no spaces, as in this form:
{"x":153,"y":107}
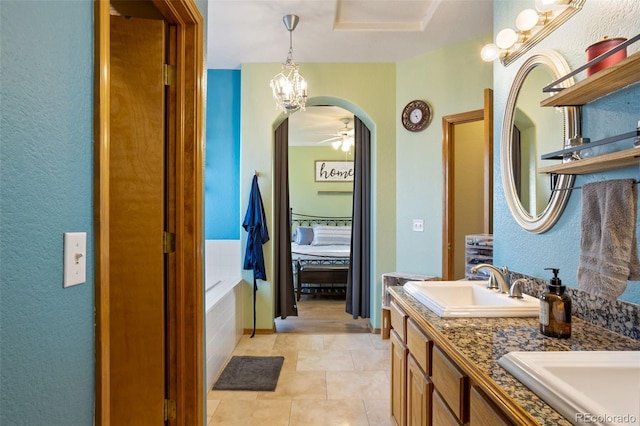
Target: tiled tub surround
{"x":480,"y":342}
{"x":617,"y":316}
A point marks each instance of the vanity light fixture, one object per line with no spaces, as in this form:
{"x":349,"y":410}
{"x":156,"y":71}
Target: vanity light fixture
{"x":532,"y":25}
{"x":289,"y":87}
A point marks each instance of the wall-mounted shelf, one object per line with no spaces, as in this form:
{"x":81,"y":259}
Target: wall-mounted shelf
{"x":602,"y":83}
{"x":615,"y":160}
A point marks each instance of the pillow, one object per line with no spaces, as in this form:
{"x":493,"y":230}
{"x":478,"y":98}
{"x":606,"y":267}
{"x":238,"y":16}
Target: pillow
{"x":304,"y":235}
{"x":324,"y":235}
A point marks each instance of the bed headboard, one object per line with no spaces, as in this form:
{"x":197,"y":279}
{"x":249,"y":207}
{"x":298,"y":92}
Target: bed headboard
{"x":299,"y":219}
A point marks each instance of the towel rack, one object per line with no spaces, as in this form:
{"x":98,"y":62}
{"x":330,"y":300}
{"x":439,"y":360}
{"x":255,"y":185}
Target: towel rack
{"x":635,"y":182}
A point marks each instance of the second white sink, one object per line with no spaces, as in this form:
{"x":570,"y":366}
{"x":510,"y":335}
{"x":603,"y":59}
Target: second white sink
{"x":470,"y":299}
{"x":599,"y":387}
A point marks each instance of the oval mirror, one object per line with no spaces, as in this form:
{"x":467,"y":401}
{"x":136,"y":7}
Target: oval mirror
{"x":536,"y":200}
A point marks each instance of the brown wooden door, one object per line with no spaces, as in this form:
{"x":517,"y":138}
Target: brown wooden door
{"x":137,"y":211}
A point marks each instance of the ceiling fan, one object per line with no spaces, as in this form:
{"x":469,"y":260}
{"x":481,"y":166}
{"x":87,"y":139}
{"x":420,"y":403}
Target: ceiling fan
{"x":343,"y":138}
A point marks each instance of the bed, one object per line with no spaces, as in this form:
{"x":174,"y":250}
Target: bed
{"x":320,"y":253}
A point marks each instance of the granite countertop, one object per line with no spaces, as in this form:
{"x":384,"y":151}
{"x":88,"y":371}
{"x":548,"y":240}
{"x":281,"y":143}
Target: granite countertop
{"x":482,"y":341}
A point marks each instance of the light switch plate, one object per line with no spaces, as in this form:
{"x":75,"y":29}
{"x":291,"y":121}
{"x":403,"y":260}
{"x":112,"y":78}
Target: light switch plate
{"x":75,"y":258}
{"x":418,"y":225}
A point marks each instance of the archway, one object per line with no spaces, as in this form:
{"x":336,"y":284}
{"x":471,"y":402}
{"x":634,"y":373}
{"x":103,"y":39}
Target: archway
{"x":359,"y":283}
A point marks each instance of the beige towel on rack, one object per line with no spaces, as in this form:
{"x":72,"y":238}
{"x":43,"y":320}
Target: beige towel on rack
{"x":609,"y":248}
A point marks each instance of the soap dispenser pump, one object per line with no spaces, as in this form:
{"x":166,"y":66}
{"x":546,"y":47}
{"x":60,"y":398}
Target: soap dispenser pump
{"x":555,"y":309}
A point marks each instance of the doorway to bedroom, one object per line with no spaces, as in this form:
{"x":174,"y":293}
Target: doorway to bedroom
{"x":321,"y":174}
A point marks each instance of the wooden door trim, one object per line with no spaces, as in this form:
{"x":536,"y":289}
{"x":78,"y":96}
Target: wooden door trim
{"x":448,"y":123}
{"x":188,"y":143}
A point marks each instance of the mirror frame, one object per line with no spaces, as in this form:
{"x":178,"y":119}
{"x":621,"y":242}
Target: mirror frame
{"x":572,"y":127}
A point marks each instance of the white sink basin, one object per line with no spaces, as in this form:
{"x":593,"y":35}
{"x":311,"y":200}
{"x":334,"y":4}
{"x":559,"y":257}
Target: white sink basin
{"x":599,"y":387}
{"x":470,"y":299}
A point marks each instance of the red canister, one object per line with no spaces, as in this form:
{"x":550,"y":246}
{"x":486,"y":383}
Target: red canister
{"x":604,"y":45}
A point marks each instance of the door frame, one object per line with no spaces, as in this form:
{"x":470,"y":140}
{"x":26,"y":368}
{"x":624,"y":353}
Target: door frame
{"x":448,"y":124}
{"x":187,"y":142}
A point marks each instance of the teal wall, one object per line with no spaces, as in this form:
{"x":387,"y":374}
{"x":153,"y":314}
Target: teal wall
{"x":47,"y":332}
{"x":222,"y":167}
{"x":618,"y":113}
{"x":305,"y":193}
{"x":46,"y":177}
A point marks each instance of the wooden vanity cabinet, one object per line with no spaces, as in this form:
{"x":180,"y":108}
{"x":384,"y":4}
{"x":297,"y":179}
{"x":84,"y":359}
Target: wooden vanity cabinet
{"x":427,"y":386}
{"x":452,"y":384}
{"x":419,"y":393}
{"x":399,"y":354}
{"x":483,"y":412}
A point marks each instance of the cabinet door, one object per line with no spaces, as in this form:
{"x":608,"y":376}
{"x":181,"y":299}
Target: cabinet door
{"x":398,"y":380}
{"x":442,"y":415}
{"x":451,"y":383}
{"x":419,"y":389}
{"x":484,"y":412}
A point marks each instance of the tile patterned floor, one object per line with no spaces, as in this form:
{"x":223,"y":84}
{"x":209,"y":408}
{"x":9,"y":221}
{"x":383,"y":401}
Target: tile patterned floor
{"x":326,"y":379}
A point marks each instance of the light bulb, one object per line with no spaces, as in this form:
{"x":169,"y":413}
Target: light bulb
{"x":545,"y":6}
{"x":336,"y":144}
{"x":490,"y":52}
{"x":527,"y":19}
{"x":346,"y":146}
{"x":506,"y":38}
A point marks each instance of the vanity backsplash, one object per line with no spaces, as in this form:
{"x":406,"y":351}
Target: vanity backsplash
{"x":618,"y":316}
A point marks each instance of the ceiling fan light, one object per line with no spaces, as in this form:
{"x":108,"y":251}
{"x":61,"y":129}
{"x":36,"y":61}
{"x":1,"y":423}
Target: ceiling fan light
{"x":346,"y":146}
{"x":336,"y":144}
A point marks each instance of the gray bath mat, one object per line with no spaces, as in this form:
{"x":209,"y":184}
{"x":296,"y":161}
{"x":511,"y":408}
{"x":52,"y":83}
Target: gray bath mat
{"x":250,"y":373}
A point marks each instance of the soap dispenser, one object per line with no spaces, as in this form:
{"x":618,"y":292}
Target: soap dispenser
{"x":555,"y":309}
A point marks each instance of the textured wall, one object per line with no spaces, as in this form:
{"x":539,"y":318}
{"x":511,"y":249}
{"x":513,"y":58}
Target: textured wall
{"x":47,"y":354}
{"x":617,"y":113}
{"x":222,"y":167}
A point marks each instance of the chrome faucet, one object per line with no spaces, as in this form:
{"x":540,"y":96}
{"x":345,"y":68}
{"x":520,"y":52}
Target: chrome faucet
{"x":499,"y":278}
{"x":515,"y":290}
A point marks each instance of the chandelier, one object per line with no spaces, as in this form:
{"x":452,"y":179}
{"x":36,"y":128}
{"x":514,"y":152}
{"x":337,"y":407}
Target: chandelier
{"x":289,"y":87}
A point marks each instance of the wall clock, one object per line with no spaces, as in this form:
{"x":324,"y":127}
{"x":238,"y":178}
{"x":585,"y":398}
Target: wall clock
{"x":416,"y":116}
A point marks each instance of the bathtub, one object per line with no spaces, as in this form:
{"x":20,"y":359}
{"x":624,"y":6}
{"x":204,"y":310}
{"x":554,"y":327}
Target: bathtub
{"x":223,"y":304}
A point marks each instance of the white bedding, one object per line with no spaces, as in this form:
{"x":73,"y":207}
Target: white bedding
{"x":319,"y":252}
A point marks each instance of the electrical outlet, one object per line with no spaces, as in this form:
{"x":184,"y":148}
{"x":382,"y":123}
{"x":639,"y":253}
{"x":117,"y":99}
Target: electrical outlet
{"x":418,"y":225}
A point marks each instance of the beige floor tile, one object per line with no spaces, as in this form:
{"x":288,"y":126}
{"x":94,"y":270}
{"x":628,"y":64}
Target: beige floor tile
{"x":324,"y":361}
{"x":212,"y":404}
{"x":376,"y":359}
{"x":345,"y":342}
{"x":357,"y":385}
{"x":299,"y":385}
{"x":227,"y":394}
{"x":259,"y":342}
{"x":328,"y":413}
{"x":378,"y":411}
{"x":298,"y":342}
{"x":253,"y":413}
{"x":378,"y":342}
